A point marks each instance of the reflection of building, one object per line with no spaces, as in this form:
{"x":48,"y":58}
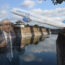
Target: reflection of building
{"x":26,"y":41}
{"x":30,"y":40}
{"x":36,"y":39}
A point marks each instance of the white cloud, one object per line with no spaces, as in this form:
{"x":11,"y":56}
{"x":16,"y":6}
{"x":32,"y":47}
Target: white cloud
{"x":59,"y":12}
{"x":15,"y":17}
{"x":53,"y":16}
{"x":28,"y":3}
{"x":28,"y":57}
{"x":56,"y":16}
{"x":4,"y":11}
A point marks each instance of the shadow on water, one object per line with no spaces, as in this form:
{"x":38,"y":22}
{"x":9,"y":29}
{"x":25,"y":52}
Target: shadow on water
{"x":37,"y":50}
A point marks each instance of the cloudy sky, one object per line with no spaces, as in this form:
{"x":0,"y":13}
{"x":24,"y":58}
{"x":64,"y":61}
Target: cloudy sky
{"x":49,"y":11}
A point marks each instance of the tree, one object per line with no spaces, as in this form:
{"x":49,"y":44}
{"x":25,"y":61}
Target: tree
{"x":56,"y":1}
{"x":36,"y":25}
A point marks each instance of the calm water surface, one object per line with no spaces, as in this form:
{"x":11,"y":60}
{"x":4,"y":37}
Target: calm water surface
{"x":36,"y":52}
{"x":42,"y":53}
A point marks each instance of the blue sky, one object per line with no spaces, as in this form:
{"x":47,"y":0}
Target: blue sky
{"x":47,"y":8}
{"x":45,"y":5}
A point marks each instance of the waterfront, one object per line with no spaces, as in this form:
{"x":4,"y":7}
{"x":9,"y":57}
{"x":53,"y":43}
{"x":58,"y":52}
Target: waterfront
{"x":42,"y":53}
{"x":32,"y":32}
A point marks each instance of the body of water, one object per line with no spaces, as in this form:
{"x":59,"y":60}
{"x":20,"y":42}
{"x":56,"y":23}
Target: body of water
{"x":42,"y":53}
{"x":36,"y":52}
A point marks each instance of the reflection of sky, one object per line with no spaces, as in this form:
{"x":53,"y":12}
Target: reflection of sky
{"x":41,"y":53}
{"x":48,"y":45}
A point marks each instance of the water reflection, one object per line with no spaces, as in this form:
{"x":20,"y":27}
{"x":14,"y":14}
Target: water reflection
{"x":41,"y":53}
{"x":4,"y":60}
{"x":37,"y":50}
{"x":31,"y":40}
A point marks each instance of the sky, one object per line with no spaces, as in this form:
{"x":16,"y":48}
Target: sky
{"x":49,"y":11}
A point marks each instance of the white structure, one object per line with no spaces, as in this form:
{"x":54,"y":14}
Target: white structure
{"x":19,"y":24}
